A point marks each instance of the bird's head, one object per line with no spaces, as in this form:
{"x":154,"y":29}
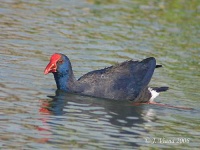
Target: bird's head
{"x":59,"y":63}
{"x":61,"y":68}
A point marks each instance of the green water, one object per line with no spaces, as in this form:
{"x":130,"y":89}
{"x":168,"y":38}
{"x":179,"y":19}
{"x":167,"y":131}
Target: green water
{"x":95,"y":34}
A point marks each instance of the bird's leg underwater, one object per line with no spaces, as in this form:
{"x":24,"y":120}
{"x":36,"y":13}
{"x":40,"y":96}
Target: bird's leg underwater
{"x":160,"y":104}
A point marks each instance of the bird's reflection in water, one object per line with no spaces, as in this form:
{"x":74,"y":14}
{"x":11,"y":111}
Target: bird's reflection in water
{"x":99,"y":114}
{"x":119,"y":112}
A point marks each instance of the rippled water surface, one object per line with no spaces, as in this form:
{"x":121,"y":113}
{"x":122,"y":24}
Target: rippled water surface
{"x":95,"y":34}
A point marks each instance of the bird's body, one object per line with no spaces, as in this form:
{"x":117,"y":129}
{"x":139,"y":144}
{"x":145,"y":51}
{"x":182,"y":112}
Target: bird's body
{"x":125,"y":81}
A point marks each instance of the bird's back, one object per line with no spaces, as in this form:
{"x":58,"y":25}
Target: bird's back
{"x":124,"y":81}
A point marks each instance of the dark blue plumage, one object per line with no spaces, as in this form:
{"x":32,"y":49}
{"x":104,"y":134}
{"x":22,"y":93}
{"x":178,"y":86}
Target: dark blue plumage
{"x":125,"y":81}
{"x":64,"y":74}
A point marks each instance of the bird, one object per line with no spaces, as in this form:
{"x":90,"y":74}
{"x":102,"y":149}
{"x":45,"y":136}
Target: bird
{"x":124,"y":81}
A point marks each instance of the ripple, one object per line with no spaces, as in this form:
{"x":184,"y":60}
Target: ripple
{"x":95,"y":34}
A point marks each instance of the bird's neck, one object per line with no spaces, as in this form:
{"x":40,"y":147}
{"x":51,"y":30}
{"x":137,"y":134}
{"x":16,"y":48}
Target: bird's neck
{"x":65,"y":81}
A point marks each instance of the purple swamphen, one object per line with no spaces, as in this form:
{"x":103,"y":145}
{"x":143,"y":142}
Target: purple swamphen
{"x":125,"y":81}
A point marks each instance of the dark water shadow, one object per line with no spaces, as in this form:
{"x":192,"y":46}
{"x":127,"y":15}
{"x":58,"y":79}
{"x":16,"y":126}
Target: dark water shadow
{"x":119,"y":110}
{"x":115,"y":114}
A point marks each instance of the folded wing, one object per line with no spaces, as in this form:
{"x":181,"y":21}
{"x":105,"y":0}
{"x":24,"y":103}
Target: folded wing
{"x":124,"y":81}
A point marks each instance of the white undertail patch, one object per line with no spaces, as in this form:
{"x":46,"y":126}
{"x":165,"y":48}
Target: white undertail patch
{"x":154,"y":94}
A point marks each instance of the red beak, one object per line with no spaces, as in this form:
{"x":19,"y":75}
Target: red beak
{"x":51,"y":67}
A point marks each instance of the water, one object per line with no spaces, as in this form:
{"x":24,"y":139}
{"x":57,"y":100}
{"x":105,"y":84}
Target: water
{"x":95,"y":34}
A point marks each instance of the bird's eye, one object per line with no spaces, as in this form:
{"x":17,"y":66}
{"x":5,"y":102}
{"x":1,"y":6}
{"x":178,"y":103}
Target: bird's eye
{"x":60,"y":61}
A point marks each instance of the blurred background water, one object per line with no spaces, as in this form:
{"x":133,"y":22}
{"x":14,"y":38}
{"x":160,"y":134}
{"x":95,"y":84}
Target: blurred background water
{"x":95,"y":34}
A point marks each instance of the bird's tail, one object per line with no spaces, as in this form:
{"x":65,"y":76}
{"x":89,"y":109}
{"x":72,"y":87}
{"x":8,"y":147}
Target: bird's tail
{"x":155,"y":91}
{"x":160,"y":89}
{"x":158,"y":66}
